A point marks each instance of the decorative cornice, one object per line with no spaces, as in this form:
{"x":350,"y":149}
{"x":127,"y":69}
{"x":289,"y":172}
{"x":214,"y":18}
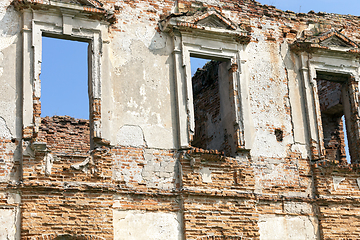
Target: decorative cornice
{"x":331,"y":41}
{"x":94,"y":8}
{"x":209,"y":21}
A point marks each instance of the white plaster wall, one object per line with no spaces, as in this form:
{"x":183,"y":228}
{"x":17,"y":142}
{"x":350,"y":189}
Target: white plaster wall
{"x":9,"y":35}
{"x":7,"y":224}
{"x":272,"y":227}
{"x":10,"y":217}
{"x":138,"y":225}
{"x":142,"y":79}
{"x":268,"y":93}
{"x":7,"y":162}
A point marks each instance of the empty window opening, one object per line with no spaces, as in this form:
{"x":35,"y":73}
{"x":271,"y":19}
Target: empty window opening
{"x":64,"y":78}
{"x":213,"y":114}
{"x":335,"y":107}
{"x":64,"y":96}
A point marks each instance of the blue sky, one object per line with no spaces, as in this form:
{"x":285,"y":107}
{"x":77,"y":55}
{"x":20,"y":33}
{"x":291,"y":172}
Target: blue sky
{"x":330,"y":6}
{"x":64,"y":81}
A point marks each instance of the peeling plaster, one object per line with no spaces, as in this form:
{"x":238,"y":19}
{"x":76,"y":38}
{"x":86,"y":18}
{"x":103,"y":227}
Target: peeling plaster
{"x":13,"y":198}
{"x":49,"y":160}
{"x":153,"y":170}
{"x":297,"y":208}
{"x":131,"y":136}
{"x":8,"y":223}
{"x":4,"y":130}
{"x":9,"y":27}
{"x":274,"y":173}
{"x":273,"y":227}
{"x":268,"y":92}
{"x":131,"y":225}
{"x":337,"y":181}
{"x":206,"y":175}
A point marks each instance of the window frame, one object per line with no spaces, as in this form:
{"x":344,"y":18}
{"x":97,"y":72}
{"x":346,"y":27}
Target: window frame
{"x":213,"y":41}
{"x":329,"y":61}
{"x":69,"y":23}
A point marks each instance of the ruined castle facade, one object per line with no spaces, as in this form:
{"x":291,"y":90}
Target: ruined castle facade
{"x":253,"y":146}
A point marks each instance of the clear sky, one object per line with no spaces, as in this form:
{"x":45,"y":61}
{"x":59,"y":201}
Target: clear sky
{"x":330,"y":6}
{"x":197,"y":63}
{"x":64,"y":78}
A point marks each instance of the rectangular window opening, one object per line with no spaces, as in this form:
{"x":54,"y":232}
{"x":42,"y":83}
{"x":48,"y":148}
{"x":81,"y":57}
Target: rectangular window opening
{"x":335,"y":108}
{"x":65,"y":96}
{"x":213,"y":112}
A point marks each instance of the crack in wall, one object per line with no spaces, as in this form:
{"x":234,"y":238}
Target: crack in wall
{"x":5,"y":127}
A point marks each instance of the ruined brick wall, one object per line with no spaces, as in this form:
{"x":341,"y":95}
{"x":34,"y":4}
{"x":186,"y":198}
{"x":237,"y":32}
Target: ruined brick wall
{"x":137,"y":178}
{"x":213,"y":130}
{"x":332,"y":111}
{"x":216,"y":196}
{"x":48,"y":213}
{"x":65,"y":135}
{"x":352,"y":122}
{"x":337,"y":190}
{"x":206,"y":105}
{"x":68,"y":193}
{"x":8,"y":165}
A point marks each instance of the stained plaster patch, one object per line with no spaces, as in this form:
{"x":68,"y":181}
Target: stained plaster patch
{"x":154,"y":170}
{"x":337,"y":181}
{"x":206,"y":175}
{"x":297,"y":208}
{"x":130,"y":136}
{"x":49,"y":160}
{"x":123,"y":45}
{"x":7,"y":224}
{"x":1,"y":63}
{"x":8,"y":27}
{"x":13,"y":198}
{"x":133,"y":224}
{"x":273,"y":227}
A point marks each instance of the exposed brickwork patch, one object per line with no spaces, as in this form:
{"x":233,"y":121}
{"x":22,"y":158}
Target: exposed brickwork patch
{"x":65,"y":135}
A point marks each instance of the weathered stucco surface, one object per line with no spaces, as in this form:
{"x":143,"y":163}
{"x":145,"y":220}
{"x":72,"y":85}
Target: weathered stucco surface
{"x":9,"y":216}
{"x":147,"y":103}
{"x":8,"y":224}
{"x":288,"y":227}
{"x":146,"y":225}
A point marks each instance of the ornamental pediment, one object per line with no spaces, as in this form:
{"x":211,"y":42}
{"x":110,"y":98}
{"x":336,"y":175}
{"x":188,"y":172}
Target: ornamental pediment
{"x":332,"y":40}
{"x":210,"y":21}
{"x":88,"y":3}
{"x":90,"y":7}
{"x":335,"y":41}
